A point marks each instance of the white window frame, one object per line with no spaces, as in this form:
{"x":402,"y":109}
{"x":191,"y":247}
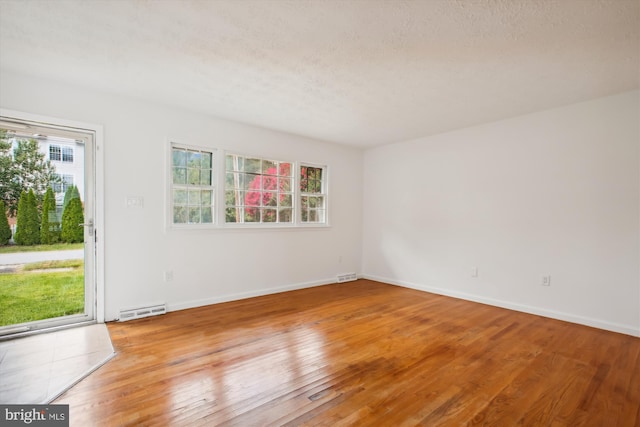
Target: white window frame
{"x":213,"y":187}
{"x":324,"y":194}
{"x":261,"y":224}
{"x":218,"y":187}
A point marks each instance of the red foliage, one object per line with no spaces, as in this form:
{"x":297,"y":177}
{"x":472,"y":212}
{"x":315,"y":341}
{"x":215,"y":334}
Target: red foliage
{"x":263,"y":185}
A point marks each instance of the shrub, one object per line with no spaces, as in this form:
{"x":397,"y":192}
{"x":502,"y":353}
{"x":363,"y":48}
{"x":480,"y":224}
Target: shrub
{"x":71,"y":193}
{"x":28,"y":224}
{"x":50,"y":225}
{"x":72,"y":217}
{"x":5,"y":230}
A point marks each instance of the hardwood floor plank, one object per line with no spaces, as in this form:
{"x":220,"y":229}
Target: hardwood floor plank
{"x":360,"y":353}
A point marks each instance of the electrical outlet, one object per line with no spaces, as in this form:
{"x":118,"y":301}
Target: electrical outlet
{"x":546,"y":281}
{"x":474,"y":272}
{"x":168,"y":276}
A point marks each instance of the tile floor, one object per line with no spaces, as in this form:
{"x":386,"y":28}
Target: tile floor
{"x":37,"y":369}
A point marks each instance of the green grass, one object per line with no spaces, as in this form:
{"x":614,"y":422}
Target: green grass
{"x":27,"y":296}
{"x":46,"y":265}
{"x":11,"y":249}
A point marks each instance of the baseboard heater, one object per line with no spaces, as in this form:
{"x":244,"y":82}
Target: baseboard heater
{"x":139,"y":313}
{"x":348,"y":277}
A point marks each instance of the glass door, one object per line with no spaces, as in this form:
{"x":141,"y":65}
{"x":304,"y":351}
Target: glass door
{"x":47,"y":236}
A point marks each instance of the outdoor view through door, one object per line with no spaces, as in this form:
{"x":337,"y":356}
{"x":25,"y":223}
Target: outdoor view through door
{"x":47,"y":240}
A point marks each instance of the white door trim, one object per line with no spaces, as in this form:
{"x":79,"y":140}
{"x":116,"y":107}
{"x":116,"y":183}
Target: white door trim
{"x":99,"y":191}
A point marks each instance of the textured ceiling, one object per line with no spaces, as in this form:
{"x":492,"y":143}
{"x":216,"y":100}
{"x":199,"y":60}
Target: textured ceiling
{"x":363,"y":73}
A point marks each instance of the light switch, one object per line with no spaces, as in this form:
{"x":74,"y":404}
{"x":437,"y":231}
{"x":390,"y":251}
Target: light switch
{"x":134,"y":202}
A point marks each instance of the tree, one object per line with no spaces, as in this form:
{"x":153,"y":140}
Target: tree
{"x":28,"y":226}
{"x":71,"y":193}
{"x":72,"y":217}
{"x":50,"y":225}
{"x":5,"y":231}
{"x":264,"y":191}
{"x":6,"y":169}
{"x":22,"y":168}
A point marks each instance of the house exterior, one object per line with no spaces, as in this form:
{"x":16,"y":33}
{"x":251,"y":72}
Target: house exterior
{"x":67,"y":155}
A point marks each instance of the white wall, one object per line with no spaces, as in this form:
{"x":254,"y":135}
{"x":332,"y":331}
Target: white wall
{"x":553,"y":193}
{"x":210,"y":265}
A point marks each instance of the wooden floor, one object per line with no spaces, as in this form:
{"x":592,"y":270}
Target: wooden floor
{"x":360,"y":353}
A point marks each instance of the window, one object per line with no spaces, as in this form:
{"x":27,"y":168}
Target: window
{"x":55,"y":153}
{"x":67,"y":154}
{"x":58,"y":153}
{"x":192,"y":186}
{"x":258,"y":190}
{"x":62,"y":184}
{"x":313,"y":196}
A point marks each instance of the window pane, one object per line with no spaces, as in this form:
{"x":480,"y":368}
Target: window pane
{"x":194,"y":197}
{"x":285,"y":200}
{"x":285,"y":215}
{"x":205,"y":177}
{"x":321,"y":215}
{"x":179,"y":158}
{"x":304,"y":201}
{"x":207,"y":215}
{"x":234,"y":163}
{"x":320,"y":202}
{"x":252,"y":165}
{"x":194,"y":215}
{"x":179,"y":197}
{"x":233,"y":180}
{"x":285,"y":169}
{"x":252,"y":181}
{"x":179,"y":215}
{"x":312,"y":216}
{"x":284,"y":184}
{"x":252,"y":198}
{"x":179,"y":175}
{"x":269,"y":215}
{"x":305,"y":215}
{"x":269,"y":167}
{"x":252,"y":215}
{"x":193,"y":176}
{"x":206,"y":160}
{"x":312,"y":202}
{"x":193,"y":159}
{"x":269,"y":182}
{"x":232,"y":215}
{"x":233,"y":198}
{"x":206,"y":198}
{"x":270,"y":199}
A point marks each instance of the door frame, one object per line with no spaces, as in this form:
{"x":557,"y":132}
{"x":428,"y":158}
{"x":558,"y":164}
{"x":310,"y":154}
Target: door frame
{"x":98,"y":179}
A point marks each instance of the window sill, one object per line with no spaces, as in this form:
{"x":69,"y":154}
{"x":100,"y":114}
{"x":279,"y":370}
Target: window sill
{"x":248,"y":227}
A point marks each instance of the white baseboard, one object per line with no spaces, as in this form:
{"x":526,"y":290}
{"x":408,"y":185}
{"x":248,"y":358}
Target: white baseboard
{"x":244,"y":295}
{"x":567,"y":317}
